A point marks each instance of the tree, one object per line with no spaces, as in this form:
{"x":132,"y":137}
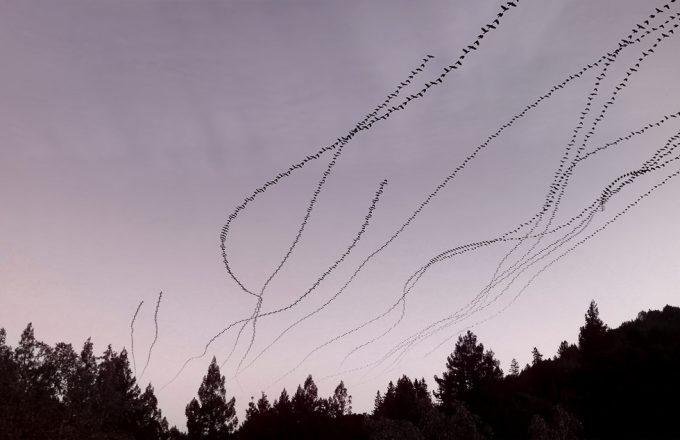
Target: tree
{"x":514,"y":367}
{"x":306,"y":398}
{"x":151,"y":424}
{"x":467,"y":369}
{"x":340,"y":403}
{"x":261,"y":407}
{"x":377,"y":404}
{"x":37,"y":407}
{"x":283,"y":405}
{"x":214,"y":417}
{"x":592,"y":334}
{"x":536,"y":356}
{"x":9,"y":390}
{"x":117,"y":393}
{"x":80,"y":397}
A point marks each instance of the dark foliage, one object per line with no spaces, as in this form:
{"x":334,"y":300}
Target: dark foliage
{"x":53,"y":393}
{"x":305,"y":416}
{"x":614,"y":384}
{"x":211,"y":417}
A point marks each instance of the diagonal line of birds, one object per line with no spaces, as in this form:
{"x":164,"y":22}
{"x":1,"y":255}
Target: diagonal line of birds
{"x":533,"y":246}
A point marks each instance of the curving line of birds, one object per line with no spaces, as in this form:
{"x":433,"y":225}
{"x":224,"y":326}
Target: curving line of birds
{"x":340,"y":144}
{"x":600,"y":203}
{"x":367,"y":123}
{"x":132,"y":336}
{"x":364,"y":124}
{"x":345,"y":254}
{"x":606,"y":194}
{"x":155,"y":336}
{"x":509,"y":268}
{"x":608,"y":58}
{"x":613,"y":188}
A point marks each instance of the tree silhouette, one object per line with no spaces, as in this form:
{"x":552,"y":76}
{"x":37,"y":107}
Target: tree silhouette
{"x":117,"y":393}
{"x":377,"y":404}
{"x":340,"y":403}
{"x":467,"y":369}
{"x":592,"y":335}
{"x":514,"y":367}
{"x":214,"y":417}
{"x":283,"y":405}
{"x":536,"y":356}
{"x":306,"y":398}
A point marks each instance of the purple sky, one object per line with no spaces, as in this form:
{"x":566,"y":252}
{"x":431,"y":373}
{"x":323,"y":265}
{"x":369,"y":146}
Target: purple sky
{"x":129,"y":131}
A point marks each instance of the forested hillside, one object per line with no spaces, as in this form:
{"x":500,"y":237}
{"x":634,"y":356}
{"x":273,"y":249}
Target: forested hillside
{"x":611,"y":383}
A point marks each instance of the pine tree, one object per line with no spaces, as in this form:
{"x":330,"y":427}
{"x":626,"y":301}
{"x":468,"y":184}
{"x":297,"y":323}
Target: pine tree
{"x":377,"y":405}
{"x":536,"y":356}
{"x":340,"y":403}
{"x":283,"y":405}
{"x":592,"y":334}
{"x":306,"y":398}
{"x":562,"y":349}
{"x":467,"y":368}
{"x":214,"y":417}
{"x":80,"y":398}
{"x":514,"y":367}
{"x":117,"y":394}
{"x":152,"y":424}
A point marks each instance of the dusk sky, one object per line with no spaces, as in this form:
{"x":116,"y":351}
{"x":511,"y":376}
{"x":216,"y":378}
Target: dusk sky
{"x":131,"y":130}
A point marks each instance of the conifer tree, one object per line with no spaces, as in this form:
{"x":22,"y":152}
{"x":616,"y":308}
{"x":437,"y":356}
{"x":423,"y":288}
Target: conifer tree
{"x":214,"y":417}
{"x":306,"y":398}
{"x":340,"y":403}
{"x":377,"y":404}
{"x":283,"y":405}
{"x":592,"y":334}
{"x":536,"y":356}
{"x":467,"y":368}
{"x":514,"y":367}
{"x":117,"y":393}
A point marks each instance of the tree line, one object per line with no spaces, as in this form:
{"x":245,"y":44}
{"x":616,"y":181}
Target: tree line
{"x":613,"y":383}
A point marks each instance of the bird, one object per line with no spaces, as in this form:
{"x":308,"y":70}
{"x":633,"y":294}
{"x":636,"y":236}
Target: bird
{"x":512,"y":4}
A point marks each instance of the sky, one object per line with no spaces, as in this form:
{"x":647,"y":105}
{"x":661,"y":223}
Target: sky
{"x":130,"y":131}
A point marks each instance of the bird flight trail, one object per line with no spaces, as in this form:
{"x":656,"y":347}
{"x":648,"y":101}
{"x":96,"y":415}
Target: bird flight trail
{"x":561,"y":178}
{"x":132,"y":336}
{"x":543,"y":237}
{"x":155,"y":336}
{"x":371,"y":119}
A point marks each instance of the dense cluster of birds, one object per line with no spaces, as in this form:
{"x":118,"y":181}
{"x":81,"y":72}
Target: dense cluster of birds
{"x":535,"y":245}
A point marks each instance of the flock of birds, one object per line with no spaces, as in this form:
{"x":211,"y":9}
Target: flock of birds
{"x":534,"y":245}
